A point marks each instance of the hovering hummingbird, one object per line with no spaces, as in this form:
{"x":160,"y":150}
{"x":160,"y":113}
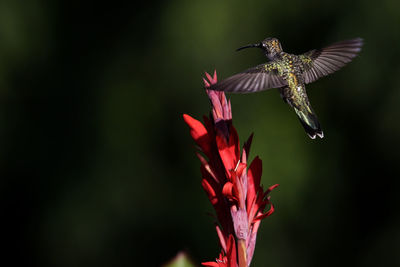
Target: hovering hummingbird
{"x":289,"y":73}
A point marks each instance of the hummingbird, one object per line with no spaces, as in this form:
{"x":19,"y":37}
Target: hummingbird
{"x":290,"y":73}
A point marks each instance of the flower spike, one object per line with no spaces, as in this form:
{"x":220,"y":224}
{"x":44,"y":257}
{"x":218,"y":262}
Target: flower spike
{"x":232,"y":185}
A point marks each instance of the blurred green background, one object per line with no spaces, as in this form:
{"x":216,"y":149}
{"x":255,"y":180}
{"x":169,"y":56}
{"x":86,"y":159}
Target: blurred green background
{"x":98,"y":168}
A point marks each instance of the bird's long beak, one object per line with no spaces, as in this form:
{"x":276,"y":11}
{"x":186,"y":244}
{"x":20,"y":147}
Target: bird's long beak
{"x":249,"y":46}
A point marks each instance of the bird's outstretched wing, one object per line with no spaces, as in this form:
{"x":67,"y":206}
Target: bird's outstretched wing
{"x":321,"y":62}
{"x":261,"y":77}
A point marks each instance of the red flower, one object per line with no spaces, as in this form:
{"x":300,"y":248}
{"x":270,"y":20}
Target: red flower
{"x":228,"y":260}
{"x":232,"y":186}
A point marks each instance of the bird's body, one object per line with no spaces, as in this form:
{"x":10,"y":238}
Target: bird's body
{"x":290,"y":73}
{"x":290,"y":67}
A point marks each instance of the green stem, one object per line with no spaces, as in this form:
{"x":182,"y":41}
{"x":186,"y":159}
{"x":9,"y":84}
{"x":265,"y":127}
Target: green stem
{"x":242,"y":253}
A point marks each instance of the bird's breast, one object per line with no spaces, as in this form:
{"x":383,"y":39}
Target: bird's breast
{"x":292,"y":80}
{"x":297,"y":88}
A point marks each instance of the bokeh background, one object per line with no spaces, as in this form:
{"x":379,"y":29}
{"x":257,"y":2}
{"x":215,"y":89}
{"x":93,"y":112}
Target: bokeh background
{"x":97,"y":165}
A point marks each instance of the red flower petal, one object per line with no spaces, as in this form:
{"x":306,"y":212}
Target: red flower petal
{"x":272,"y":187}
{"x":215,"y":76}
{"x":221,"y":237}
{"x":229,"y":152}
{"x":253,"y":181}
{"x":214,"y":264}
{"x":212,"y":196}
{"x":209,"y":76}
{"x":240,"y":169}
{"x":266,"y":214}
{"x":206,"y":83}
{"x":198,"y":133}
{"x":246,"y":148}
{"x":227,"y":190}
{"x":207,"y":167}
{"x":217,"y":199}
{"x":213,"y":79}
{"x":234,"y":141}
{"x":231,"y":253}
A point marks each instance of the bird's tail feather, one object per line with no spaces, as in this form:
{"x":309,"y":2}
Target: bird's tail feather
{"x":310,"y":123}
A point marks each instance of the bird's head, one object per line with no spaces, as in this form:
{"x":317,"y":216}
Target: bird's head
{"x":271,"y":47}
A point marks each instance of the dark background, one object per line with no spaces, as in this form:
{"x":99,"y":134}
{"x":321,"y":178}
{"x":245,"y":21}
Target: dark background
{"x":97,"y":165}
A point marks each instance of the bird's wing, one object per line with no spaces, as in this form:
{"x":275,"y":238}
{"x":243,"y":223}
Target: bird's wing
{"x":321,"y":62}
{"x":261,"y":77}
